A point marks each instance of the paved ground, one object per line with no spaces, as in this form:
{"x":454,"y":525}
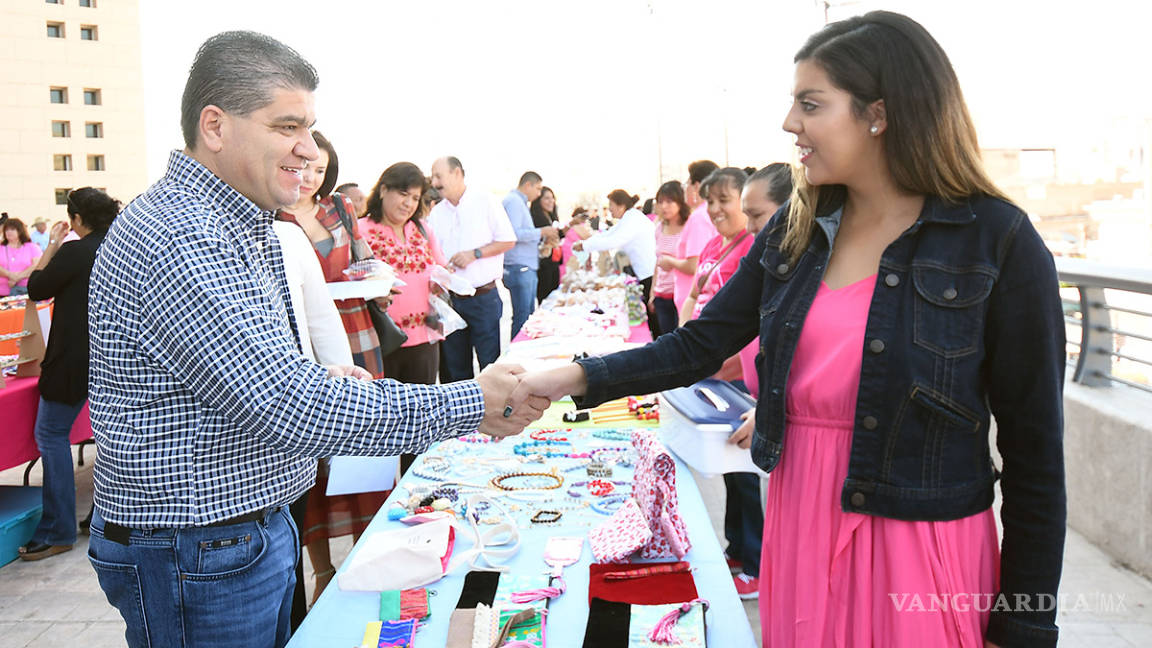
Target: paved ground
{"x":57,"y":602}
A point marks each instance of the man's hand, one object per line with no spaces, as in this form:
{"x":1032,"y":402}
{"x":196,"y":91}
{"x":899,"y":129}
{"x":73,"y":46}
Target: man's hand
{"x":502,"y":417}
{"x":341,"y":371}
{"x":743,"y":434}
{"x":463,"y":259}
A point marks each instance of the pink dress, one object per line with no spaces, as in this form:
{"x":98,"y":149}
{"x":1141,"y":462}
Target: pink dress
{"x":830,"y":578}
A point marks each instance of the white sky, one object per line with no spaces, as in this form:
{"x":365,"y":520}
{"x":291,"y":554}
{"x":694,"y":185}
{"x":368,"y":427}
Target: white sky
{"x":590,"y":92}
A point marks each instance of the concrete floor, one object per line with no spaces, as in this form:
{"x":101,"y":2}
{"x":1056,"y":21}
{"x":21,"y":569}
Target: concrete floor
{"x":57,"y":601}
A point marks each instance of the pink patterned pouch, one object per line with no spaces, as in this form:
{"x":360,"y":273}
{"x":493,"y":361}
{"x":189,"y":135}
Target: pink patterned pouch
{"x":620,"y":535}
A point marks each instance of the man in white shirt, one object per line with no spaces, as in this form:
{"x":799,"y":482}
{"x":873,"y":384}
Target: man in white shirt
{"x":474,"y":233}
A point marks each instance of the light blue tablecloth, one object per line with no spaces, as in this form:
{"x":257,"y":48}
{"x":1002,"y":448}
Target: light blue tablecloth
{"x":339,"y":617}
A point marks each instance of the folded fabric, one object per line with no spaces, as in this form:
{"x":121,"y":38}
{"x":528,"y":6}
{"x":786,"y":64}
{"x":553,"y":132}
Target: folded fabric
{"x":621,"y":535}
{"x":400,"y":559}
{"x":389,"y":634}
{"x":651,"y":589}
{"x":396,"y":605}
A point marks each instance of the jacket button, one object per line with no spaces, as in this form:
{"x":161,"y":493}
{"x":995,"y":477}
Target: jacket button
{"x":949,"y":294}
{"x":876,"y":346}
{"x":857,"y":499}
{"x":892,"y":280}
{"x":870,"y":423}
{"x":782,"y":268}
{"x":775,"y":391}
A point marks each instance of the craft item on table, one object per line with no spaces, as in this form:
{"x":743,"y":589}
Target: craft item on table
{"x":475,"y":437}
{"x":598,"y":469}
{"x":611,"y":455}
{"x":400,"y":558}
{"x":578,"y":466}
{"x":620,"y":535}
{"x":643,"y":570}
{"x":545,"y":481}
{"x":559,"y":552}
{"x":509,"y":628}
{"x":546,"y":516}
{"x":549,"y":435}
{"x":653,"y":588}
{"x":609,"y":505}
{"x":596,"y":487}
{"x":654,"y":490}
{"x":432,"y":468}
{"x":682,"y":625}
{"x":576,"y":416}
{"x":500,"y":542}
{"x":398,"y":605}
{"x":613,"y":435}
{"x":511,"y":585}
{"x":546,"y":448}
{"x":389,"y":634}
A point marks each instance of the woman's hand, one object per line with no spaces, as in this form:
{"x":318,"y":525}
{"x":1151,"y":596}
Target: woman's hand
{"x":578,"y":246}
{"x":743,"y":435}
{"x":665,"y":262}
{"x":58,"y":232}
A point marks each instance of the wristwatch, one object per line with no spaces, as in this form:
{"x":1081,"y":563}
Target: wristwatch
{"x":478,"y":253}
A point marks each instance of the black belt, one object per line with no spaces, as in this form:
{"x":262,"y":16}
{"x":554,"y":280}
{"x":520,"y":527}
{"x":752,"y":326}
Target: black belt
{"x":480,"y":290}
{"x":117,"y":533}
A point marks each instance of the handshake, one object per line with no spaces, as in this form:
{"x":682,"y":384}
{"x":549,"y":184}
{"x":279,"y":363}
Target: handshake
{"x":514,"y":398}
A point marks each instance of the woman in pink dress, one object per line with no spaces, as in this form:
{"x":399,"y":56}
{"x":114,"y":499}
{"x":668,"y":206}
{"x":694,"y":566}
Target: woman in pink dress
{"x":18,"y":257}
{"x":901,"y":301}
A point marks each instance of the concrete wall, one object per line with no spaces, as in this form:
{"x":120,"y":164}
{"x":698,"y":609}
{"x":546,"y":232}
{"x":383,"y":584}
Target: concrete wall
{"x":1108,"y":457}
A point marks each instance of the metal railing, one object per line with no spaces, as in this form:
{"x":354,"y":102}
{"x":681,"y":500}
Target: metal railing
{"x":1108,"y":312}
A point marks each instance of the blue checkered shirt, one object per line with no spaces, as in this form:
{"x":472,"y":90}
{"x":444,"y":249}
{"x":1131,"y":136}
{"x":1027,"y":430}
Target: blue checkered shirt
{"x":202,"y":406}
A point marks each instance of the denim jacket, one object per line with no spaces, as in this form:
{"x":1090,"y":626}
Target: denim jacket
{"x":965,"y":322}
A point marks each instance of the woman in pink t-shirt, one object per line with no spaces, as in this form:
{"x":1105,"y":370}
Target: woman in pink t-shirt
{"x":578,"y":230}
{"x":393,"y":227}
{"x":17,"y":258}
{"x":673,"y":213}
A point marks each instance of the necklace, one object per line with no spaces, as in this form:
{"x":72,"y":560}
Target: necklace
{"x":498,"y":481}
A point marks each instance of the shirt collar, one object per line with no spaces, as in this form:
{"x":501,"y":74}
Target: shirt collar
{"x":189,"y":173}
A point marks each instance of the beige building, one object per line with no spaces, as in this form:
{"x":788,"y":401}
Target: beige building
{"x":71,"y":103}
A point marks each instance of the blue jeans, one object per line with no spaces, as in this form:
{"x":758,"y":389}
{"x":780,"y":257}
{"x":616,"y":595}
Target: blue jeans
{"x":521,"y":284}
{"x":482,"y":313}
{"x":53,"y":427}
{"x":14,"y":291}
{"x":744,"y":520}
{"x":225,"y":587}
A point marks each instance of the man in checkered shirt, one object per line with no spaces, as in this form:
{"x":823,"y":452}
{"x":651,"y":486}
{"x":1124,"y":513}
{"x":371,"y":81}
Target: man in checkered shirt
{"x":207,"y":417}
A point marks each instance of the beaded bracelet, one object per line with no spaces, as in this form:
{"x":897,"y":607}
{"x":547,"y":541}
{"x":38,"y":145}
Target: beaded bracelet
{"x":574,"y":488}
{"x":609,"y":505}
{"x":545,"y":435}
{"x":498,"y":481}
{"x":600,"y":487}
{"x":609,"y":455}
{"x":613,"y":435}
{"x":546,"y":516}
{"x":475,"y":437}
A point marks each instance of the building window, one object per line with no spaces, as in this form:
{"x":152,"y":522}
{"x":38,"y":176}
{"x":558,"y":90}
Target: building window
{"x":94,"y":129}
{"x":62,"y":196}
{"x":62,"y":162}
{"x":88,"y":3}
{"x":88,"y":32}
{"x":91,"y":97}
{"x":95,"y":162}
{"x":61,"y":129}
{"x":55,"y":30}
{"x":58,"y":95}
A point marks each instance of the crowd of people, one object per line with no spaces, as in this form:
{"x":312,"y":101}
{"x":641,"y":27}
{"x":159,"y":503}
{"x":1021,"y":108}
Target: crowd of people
{"x":881,"y":303}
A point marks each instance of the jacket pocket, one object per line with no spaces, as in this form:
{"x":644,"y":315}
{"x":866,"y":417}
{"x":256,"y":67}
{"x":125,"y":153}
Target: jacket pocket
{"x":949,"y":308}
{"x":934,"y":442}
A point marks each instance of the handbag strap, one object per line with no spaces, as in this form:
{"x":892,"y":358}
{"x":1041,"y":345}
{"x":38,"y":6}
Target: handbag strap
{"x":703,"y":279}
{"x":346,"y":221}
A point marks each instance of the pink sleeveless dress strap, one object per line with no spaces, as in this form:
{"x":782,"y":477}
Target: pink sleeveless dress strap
{"x":835,"y":579}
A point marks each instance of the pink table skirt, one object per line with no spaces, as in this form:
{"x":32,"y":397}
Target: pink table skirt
{"x":19,"y":402}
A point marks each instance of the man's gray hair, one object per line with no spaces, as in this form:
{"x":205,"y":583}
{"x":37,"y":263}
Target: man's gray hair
{"x":237,"y":71}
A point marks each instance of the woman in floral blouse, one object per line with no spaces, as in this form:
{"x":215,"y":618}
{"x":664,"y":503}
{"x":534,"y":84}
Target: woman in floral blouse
{"x":393,"y":227}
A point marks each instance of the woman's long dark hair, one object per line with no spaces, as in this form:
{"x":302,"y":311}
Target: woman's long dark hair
{"x":541,"y":218}
{"x":930,"y":141}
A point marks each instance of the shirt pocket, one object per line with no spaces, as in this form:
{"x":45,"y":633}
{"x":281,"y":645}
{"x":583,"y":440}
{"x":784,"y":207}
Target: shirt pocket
{"x":949,"y":308}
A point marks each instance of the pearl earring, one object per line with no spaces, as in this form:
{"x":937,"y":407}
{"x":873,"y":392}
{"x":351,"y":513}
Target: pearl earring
{"x":874,"y":130}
